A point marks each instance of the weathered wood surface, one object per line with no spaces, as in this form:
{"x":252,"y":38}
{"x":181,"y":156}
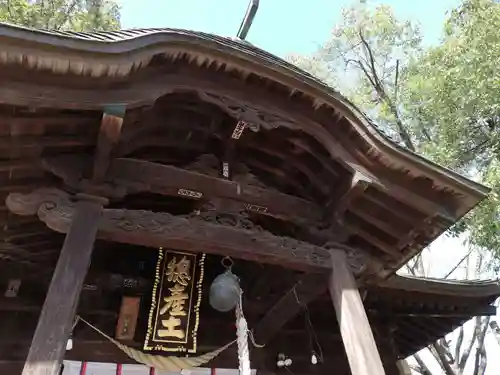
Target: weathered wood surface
{"x":355,"y":187}
{"x":357,"y":336}
{"x":291,"y":304}
{"x":127,"y":319}
{"x":254,"y":106}
{"x":54,"y":325}
{"x":190,"y":233}
{"x":109,"y":135}
{"x":139,"y":175}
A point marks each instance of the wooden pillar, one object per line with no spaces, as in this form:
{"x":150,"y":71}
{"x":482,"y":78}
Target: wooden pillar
{"x":360,"y":347}
{"x":54,"y":325}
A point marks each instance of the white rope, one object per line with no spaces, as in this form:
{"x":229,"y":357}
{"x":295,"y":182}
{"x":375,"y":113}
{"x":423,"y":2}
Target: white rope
{"x":242,"y":340}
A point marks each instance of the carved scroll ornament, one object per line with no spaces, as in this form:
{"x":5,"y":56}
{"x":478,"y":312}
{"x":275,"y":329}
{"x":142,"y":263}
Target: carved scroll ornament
{"x":54,"y":207}
{"x":196,"y":234}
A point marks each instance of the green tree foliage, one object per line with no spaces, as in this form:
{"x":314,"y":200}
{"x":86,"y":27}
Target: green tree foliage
{"x":441,"y":101}
{"x":452,"y":95}
{"x":74,"y":15}
{"x":368,"y":49}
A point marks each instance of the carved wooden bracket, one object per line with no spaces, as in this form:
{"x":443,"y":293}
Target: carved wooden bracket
{"x":54,"y":207}
{"x":157,"y":229}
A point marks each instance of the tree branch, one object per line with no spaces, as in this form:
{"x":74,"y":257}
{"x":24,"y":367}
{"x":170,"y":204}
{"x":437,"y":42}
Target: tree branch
{"x":466,"y":353}
{"x":423,"y":369}
{"x":417,"y":369}
{"x":458,"y":345}
{"x":67,"y":14}
{"x":481,"y":360}
{"x":458,"y":264}
{"x":440,"y":355}
{"x":396,"y":81}
{"x":379,"y":88}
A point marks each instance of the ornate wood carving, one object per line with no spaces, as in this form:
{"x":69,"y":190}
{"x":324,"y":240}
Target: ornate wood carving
{"x":53,"y":207}
{"x":238,"y":238}
{"x":251,"y":117}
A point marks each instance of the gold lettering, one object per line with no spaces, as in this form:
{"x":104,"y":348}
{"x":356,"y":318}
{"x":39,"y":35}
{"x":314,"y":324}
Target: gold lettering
{"x":176,"y":302}
{"x":171,"y":329}
{"x":178,"y":272}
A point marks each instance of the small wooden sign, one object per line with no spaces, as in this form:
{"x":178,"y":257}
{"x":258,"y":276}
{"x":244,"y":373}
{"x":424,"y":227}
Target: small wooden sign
{"x":256,"y":208}
{"x":174,"y":313}
{"x":238,"y":130}
{"x":190,"y":193}
{"x":225,"y":169}
{"x":127,"y":320}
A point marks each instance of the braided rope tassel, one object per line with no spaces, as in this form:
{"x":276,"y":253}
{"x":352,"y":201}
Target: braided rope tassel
{"x":242,"y":340}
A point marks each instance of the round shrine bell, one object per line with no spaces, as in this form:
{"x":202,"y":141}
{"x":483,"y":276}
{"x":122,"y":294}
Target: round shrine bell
{"x":225,"y":292}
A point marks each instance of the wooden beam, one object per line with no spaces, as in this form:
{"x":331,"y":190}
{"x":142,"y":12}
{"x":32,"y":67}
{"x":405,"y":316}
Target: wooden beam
{"x":189,"y":233}
{"x":357,"y":336}
{"x":386,"y":248}
{"x":295,"y":300}
{"x":355,"y":187}
{"x":22,"y":141}
{"x":54,"y":325}
{"x":16,"y":305}
{"x":139,"y":175}
{"x":157,"y":178}
{"x":109,"y":135}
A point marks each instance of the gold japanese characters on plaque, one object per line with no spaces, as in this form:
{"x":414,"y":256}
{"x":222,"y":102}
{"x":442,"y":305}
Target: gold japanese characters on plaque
{"x":174,"y":314}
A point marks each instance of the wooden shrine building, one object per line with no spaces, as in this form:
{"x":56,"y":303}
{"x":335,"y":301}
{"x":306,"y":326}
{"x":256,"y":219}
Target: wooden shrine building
{"x":116,"y":144}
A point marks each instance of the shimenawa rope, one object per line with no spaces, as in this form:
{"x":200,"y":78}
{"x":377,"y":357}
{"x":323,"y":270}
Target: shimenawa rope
{"x":171,"y":364}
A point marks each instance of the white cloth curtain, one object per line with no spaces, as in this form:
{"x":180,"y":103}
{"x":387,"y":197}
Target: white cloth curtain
{"x":72,"y":368}
{"x":135,"y":370}
{"x":98,"y":368}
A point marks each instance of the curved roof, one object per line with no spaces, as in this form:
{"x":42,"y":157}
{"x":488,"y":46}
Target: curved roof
{"x":89,"y":59}
{"x":423,"y":310}
{"x":120,"y":53}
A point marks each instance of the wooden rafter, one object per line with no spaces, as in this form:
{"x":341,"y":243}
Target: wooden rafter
{"x":150,"y":90}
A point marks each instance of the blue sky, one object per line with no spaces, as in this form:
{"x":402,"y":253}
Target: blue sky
{"x":281,"y":26}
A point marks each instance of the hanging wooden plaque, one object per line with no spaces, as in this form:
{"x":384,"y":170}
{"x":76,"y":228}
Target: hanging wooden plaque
{"x":174,"y":313}
{"x":127,"y":319}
